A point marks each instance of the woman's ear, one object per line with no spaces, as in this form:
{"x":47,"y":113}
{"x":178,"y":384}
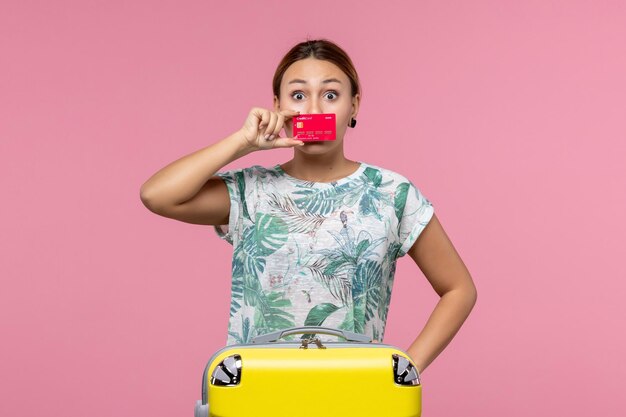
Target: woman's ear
{"x":276,"y":103}
{"x":356,"y":101}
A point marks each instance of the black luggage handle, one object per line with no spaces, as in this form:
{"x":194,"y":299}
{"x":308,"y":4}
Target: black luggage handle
{"x":274,"y":336}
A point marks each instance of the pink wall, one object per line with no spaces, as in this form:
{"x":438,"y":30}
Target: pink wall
{"x":509,"y":116}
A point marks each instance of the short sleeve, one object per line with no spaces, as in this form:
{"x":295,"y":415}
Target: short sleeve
{"x":414,"y":215}
{"x":235,"y":183}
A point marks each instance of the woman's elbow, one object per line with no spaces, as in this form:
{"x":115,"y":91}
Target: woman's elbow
{"x":150,"y":200}
{"x":471,"y":294}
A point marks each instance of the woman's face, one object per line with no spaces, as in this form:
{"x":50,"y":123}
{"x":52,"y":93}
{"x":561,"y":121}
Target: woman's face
{"x":315,"y":86}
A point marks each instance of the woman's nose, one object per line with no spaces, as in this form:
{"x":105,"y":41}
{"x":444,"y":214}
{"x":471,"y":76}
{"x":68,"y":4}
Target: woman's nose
{"x":314,"y":107}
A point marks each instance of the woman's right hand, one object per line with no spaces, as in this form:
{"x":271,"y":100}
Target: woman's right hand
{"x":262,"y":127}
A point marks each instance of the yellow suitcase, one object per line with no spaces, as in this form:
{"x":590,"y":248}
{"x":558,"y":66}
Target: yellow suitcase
{"x":273,"y":378}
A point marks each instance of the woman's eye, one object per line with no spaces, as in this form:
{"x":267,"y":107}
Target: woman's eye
{"x":331,"y":95}
{"x":297,"y":95}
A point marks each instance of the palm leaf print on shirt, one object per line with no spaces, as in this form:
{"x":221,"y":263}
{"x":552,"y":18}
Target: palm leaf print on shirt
{"x":336,"y":266}
{"x":317,"y":315}
{"x":350,"y":251}
{"x":373,"y":197}
{"x":246,"y":334}
{"x":236,"y":291}
{"x":399,"y":201}
{"x":271,"y":314}
{"x":247,"y":266}
{"x":259,"y":241}
{"x":297,"y":220}
{"x":271,"y":233}
{"x":241,"y":187}
{"x":337,"y":282}
{"x":324,"y":201}
{"x":366,"y":293}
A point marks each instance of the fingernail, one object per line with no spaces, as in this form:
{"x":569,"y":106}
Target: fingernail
{"x":272,"y":137}
{"x":267,"y":136}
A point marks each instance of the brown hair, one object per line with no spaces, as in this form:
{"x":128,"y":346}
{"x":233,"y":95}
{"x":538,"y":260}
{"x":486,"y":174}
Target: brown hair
{"x":319,"y":49}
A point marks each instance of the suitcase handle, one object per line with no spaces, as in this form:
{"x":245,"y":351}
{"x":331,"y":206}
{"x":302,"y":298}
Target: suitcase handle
{"x":274,"y":336}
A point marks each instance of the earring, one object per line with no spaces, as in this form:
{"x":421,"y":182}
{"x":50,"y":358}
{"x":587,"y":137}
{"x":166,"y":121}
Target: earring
{"x":352,"y":122}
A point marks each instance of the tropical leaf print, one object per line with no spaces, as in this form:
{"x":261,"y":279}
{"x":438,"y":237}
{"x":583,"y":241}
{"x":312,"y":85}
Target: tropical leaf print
{"x":253,"y":264}
{"x":264,"y":180}
{"x":252,"y":290}
{"x":362,"y":246}
{"x":337,"y":284}
{"x":389,"y":269}
{"x":325,"y":200}
{"x":372,"y":201}
{"x":367,"y":205}
{"x":399,"y":201}
{"x":373,"y":196}
{"x":246,"y":333}
{"x":350,"y":250}
{"x":245,"y":283}
{"x":348,"y":321}
{"x":319,"y":313}
{"x":262,"y":173}
{"x":376,"y":335}
{"x":241,"y":187}
{"x":392,"y":252}
{"x":271,"y":313}
{"x":374,"y":276}
{"x":336,"y":264}
{"x":374,"y":176}
{"x":236,"y":336}
{"x":236,"y":293}
{"x":366,"y":290}
{"x":297,"y":220}
{"x":340,"y":263}
{"x":385,"y":293}
{"x":345,"y":238}
{"x":271,"y":234}
{"x":358,"y":317}
{"x":248,"y":266}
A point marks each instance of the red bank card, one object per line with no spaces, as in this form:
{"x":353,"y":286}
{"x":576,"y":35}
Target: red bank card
{"x":314,"y":127}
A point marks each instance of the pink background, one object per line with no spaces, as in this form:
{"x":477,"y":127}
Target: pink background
{"x":508,"y":115}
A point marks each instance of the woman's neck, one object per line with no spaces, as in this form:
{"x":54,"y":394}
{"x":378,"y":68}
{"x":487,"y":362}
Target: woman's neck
{"x":320,"y":168}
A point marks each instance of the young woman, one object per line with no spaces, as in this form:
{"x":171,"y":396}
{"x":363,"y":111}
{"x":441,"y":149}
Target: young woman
{"x":315,"y":239}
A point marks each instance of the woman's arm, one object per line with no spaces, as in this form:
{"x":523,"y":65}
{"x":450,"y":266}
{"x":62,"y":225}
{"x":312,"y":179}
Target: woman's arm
{"x":435,"y":255}
{"x":187,"y":189}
